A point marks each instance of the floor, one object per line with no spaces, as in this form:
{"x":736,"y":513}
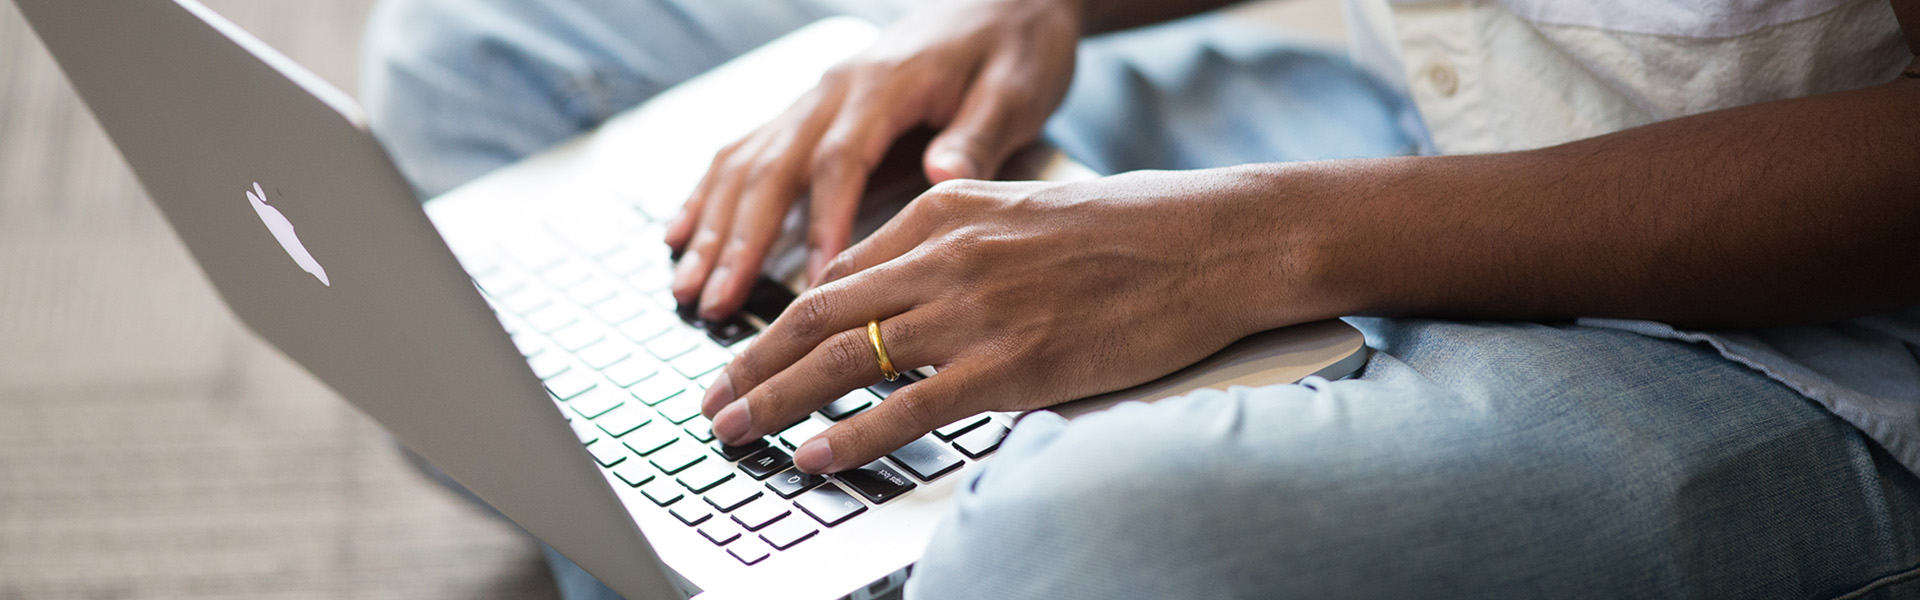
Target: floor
{"x":151,"y":447}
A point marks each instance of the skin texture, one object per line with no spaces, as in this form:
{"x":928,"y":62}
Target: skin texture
{"x":1024,"y":295}
{"x":987,"y":72}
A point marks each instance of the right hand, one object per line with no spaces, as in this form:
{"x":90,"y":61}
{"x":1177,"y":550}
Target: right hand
{"x":986,"y":73}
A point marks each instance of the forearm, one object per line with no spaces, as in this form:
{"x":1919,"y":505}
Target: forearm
{"x":1784,"y":212}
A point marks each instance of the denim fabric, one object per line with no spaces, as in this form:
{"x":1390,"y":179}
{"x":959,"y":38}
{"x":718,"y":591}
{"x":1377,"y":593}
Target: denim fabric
{"x":1468,"y":459}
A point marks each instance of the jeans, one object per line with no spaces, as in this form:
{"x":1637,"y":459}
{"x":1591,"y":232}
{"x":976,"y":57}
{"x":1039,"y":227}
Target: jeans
{"x":1467,"y":459}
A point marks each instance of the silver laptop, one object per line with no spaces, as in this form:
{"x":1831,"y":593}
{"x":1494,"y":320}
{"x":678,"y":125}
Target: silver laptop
{"x":517,"y":332}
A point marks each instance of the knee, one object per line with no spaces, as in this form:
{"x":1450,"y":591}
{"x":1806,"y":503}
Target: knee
{"x":1140,"y":501}
{"x":1247,"y":493}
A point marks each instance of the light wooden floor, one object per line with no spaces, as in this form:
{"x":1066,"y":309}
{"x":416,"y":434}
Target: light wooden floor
{"x":150,"y":447}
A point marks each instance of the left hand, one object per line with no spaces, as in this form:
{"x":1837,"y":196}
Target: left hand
{"x":1022,"y":295}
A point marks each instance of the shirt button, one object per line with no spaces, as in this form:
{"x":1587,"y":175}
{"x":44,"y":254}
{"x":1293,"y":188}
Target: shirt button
{"x":1444,"y":79}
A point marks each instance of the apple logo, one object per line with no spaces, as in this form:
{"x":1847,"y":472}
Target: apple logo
{"x":283,"y":230}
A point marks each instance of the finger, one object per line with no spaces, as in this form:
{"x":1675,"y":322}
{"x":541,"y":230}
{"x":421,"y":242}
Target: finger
{"x":894,"y":238}
{"x":824,"y":311}
{"x":844,"y":362}
{"x":680,"y":231}
{"x":755,"y":225}
{"x":716,"y":219}
{"x":868,"y":122}
{"x":998,"y":116}
{"x":907,"y":414}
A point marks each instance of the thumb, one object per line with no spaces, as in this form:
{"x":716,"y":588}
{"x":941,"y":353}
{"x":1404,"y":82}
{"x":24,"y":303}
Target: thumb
{"x":995,"y":119}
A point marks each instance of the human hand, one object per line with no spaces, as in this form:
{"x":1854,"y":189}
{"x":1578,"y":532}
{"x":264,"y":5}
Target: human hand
{"x":986,"y":72}
{"x":1023,"y":295}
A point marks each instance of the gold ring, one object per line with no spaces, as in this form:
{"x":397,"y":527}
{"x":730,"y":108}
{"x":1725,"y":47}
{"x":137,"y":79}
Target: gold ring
{"x":880,"y":349}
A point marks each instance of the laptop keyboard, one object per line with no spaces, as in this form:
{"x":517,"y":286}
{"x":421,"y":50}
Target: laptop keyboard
{"x":628,"y":368}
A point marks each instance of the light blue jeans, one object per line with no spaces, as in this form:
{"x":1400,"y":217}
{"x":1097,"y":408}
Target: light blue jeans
{"x":1466,"y":460}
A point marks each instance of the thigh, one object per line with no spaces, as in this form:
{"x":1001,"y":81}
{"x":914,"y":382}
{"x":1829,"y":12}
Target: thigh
{"x":456,"y":88}
{"x":1472,"y":460}
{"x":1214,"y":91}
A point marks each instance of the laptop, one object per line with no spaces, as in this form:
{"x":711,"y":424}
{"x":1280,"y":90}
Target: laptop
{"x":517,"y":332}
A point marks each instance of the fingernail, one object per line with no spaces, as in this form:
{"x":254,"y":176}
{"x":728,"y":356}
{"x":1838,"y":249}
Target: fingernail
{"x":683,"y":273}
{"x":814,"y":456}
{"x":717,"y":396}
{"x":716,"y":282}
{"x":955,"y":163}
{"x":732,"y":422}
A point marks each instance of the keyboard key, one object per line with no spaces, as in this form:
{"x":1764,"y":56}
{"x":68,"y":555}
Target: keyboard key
{"x":526,"y":301}
{"x":767,"y":299}
{"x":750,"y":550}
{"x":659,"y":388}
{"x":735,"y":453}
{"x":529,"y":346}
{"x":499,"y":283}
{"x":691,"y":513}
{"x":981,"y":442}
{"x":604,"y":353}
{"x":536,"y":254}
{"x":887,"y":388}
{"x":677,"y":457}
{"x":597,"y":401}
{"x":581,"y":428}
{"x":672,"y":344}
{"x":631,"y":371}
{"x":800,"y":432}
{"x":546,"y":366}
{"x":701,"y":360}
{"x":792,"y":482}
{"x":784,"y":534}
{"x":608,"y":452}
{"x":828,"y":505}
{"x":662,"y":492}
{"x":729,"y":331}
{"x":626,"y":261}
{"x":552,"y":318}
{"x":759,"y":513}
{"x":700,"y":428}
{"x":650,"y":439}
{"x":567,"y":273}
{"x":651,"y":281}
{"x":620,"y":309}
{"x":703,"y":476}
{"x":848,"y":405}
{"x":706,"y":381}
{"x":878,"y":482}
{"x":579,"y":335}
{"x":623,"y":420}
{"x":644,"y":330}
{"x":592,"y":292}
{"x":927,"y":458}
{"x":956,"y":428}
{"x":569,"y":384}
{"x":767,"y":461}
{"x":720,"y":531}
{"x":634,"y":473}
{"x":680,"y":408}
{"x":730,"y":495}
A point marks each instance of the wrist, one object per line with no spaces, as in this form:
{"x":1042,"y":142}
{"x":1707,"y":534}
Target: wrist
{"x":1289,"y":243}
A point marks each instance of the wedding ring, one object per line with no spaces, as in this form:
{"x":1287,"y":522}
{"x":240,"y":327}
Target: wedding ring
{"x":880,"y":350}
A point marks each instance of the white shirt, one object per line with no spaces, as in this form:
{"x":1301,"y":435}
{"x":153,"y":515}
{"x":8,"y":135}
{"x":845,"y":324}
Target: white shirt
{"x":1492,"y":76}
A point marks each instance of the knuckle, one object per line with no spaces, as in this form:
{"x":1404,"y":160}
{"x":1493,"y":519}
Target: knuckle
{"x":843,"y":354}
{"x":811,"y":313}
{"x":915,"y":410}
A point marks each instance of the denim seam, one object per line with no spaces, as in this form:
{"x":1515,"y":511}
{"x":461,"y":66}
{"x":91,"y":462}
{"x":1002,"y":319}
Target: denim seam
{"x":1911,"y":574}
